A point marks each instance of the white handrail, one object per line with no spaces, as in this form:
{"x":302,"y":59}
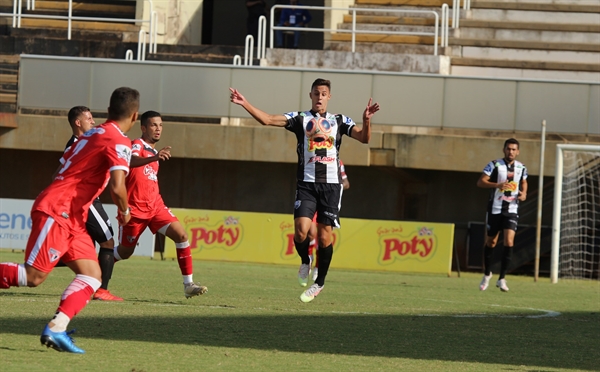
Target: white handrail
{"x":354,"y":31}
{"x":248,"y":57}
{"x":237,"y":60}
{"x":154,"y":23}
{"x":17,"y":15}
{"x":444,"y":26}
{"x":129,"y":55}
{"x":262,"y":37}
{"x":455,"y":13}
{"x":141,"y":56}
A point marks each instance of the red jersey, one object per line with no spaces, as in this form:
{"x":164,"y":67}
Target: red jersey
{"x":84,"y":174}
{"x":142,"y":184}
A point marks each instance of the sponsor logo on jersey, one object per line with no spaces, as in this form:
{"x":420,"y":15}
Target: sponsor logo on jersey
{"x":326,"y":144}
{"x":150,"y":173}
{"x":136,"y":147}
{"x":123,"y":152}
{"x":397,"y":244}
{"x":321,"y":159}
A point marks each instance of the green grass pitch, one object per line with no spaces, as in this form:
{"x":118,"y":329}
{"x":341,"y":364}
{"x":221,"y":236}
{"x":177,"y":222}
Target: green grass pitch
{"x":252,"y":320}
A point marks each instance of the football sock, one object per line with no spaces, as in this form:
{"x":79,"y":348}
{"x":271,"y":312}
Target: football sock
{"x":505,"y":261}
{"x":59,"y":323}
{"x":116,"y":255}
{"x":77,"y":295}
{"x":302,"y":249}
{"x":9,"y":275}
{"x":325,"y":255}
{"x":317,"y":258}
{"x":488,"y":252}
{"x":184,"y":258}
{"x":106,"y":259}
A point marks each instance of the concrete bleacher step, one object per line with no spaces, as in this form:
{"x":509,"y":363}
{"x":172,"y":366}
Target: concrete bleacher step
{"x":511,"y":15}
{"x":9,"y":76}
{"x":524,"y":73}
{"x":534,"y":65}
{"x":560,"y":56}
{"x":418,"y":3}
{"x":365,"y":27}
{"x":536,"y":26}
{"x":548,"y":6}
{"x":517,"y":44}
{"x":391,"y":48}
{"x":380,"y":38}
{"x":79,"y":25}
{"x":106,"y":7}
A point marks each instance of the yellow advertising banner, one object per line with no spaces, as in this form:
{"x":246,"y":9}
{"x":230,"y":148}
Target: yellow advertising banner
{"x":422,"y":247}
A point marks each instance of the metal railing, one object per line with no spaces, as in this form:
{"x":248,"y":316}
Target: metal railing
{"x":17,"y":15}
{"x":354,"y":30}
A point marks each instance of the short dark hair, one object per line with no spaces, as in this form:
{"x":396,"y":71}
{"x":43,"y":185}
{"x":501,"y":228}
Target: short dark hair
{"x":124,"y":102}
{"x":320,"y":82}
{"x":146,"y":116}
{"x":511,"y":141}
{"x":75,"y":112}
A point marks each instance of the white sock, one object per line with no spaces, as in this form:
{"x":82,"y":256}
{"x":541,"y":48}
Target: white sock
{"x":22,"y":275}
{"x":187,"y":279}
{"x":59,"y":322}
{"x":116,"y":254}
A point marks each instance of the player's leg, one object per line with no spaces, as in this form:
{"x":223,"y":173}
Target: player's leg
{"x":100,"y":230}
{"x":304,"y":210}
{"x":165,"y":222}
{"x":493,"y":226}
{"x":313,"y":248}
{"x":128,"y":238}
{"x":327,"y":217}
{"x":509,"y":226}
{"x":41,"y":256}
{"x":81,"y":259}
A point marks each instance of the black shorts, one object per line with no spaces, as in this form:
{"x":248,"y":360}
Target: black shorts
{"x":322,"y":198}
{"x":98,"y":225}
{"x":501,"y":221}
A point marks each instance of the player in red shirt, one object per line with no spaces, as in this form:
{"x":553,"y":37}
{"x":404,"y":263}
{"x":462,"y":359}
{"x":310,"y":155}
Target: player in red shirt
{"x":100,"y":158}
{"x":147,"y":206}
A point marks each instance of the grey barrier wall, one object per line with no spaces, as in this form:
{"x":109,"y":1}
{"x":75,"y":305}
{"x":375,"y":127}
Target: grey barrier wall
{"x":189,"y":89}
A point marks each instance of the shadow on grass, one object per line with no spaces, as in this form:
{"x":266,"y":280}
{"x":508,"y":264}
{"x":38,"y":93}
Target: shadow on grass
{"x":563,"y":342}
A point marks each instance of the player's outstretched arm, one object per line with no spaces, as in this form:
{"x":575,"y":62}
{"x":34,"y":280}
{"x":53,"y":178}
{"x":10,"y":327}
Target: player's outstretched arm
{"x":260,"y":116}
{"x":364,"y":134}
{"x":138,"y":161}
{"x":118,"y":192}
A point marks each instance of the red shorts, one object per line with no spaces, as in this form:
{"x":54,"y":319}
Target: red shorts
{"x":49,"y":242}
{"x":130,"y":233}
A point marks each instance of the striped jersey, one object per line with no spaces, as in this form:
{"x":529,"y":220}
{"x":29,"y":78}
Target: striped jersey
{"x":319,"y":139}
{"x":505,"y":201}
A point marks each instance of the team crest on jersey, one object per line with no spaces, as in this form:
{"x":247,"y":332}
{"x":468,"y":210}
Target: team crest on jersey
{"x":131,"y":238}
{"x":123,"y":152}
{"x":136,"y":147}
{"x":53,"y":254}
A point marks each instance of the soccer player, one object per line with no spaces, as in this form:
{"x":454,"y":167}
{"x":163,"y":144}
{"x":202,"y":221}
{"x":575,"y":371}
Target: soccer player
{"x":147,"y":206}
{"x":312,"y":233}
{"x":100,"y":158}
{"x":507,"y":179}
{"x":319,"y":134}
{"x":98,"y":224}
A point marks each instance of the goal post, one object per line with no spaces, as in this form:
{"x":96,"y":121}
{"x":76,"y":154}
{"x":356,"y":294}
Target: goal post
{"x":576,"y":213}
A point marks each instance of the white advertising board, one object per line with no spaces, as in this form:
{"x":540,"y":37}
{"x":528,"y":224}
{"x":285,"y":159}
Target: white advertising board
{"x":15,"y":226}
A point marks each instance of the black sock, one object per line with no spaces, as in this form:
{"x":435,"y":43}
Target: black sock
{"x":302,"y":249}
{"x":488,"y":252}
{"x":325,"y":255}
{"x":107,"y":262}
{"x":505,"y":261}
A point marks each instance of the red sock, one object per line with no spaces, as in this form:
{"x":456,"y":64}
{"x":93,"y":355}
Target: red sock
{"x":184,"y":258}
{"x":77,"y":295}
{"x":9,"y":275}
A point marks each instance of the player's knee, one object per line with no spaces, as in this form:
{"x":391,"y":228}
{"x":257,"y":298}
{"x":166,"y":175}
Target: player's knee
{"x":35,"y":280}
{"x":300,"y":236}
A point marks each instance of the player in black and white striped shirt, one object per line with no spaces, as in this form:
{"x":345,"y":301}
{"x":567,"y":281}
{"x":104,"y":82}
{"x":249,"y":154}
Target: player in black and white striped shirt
{"x":507,"y":179}
{"x":319,"y":134}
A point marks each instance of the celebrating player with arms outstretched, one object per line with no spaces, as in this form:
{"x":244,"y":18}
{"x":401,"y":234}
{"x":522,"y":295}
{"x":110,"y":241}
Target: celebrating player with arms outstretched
{"x":147,"y":206}
{"x":319,"y":188}
{"x":59,"y":213}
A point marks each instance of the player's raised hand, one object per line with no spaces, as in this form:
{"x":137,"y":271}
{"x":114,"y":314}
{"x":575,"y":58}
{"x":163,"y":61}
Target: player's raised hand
{"x":237,"y":97}
{"x":165,"y":153}
{"x":370,"y":110}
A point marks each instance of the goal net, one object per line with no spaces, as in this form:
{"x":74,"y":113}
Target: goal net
{"x":576,"y":220}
